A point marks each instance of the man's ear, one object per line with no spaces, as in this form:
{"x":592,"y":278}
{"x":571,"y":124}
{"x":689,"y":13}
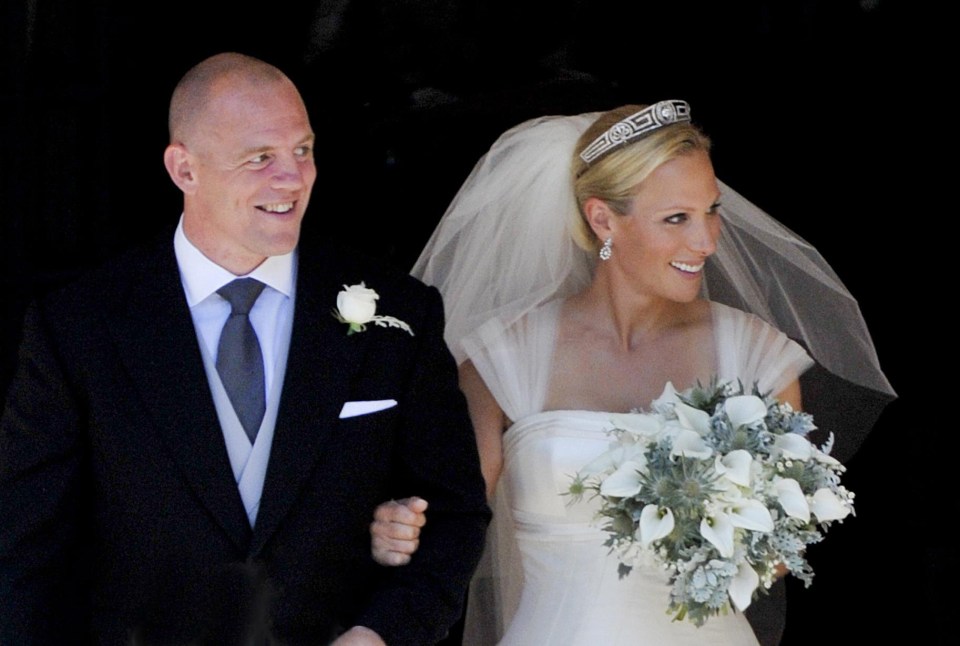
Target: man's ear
{"x":181,"y":167}
{"x":599,"y":216}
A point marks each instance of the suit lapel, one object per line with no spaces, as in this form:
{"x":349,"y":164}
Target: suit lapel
{"x":158,"y":345}
{"x":320,"y":367}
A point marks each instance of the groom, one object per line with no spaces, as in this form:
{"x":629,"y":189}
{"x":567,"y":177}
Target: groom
{"x":189,"y":458}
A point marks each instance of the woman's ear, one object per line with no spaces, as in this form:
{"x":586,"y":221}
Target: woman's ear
{"x":599,"y":216}
{"x":180,"y":166}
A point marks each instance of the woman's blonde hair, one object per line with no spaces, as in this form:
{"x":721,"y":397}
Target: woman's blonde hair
{"x":616,"y":177}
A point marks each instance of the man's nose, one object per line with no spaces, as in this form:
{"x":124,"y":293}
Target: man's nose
{"x":288,"y":173}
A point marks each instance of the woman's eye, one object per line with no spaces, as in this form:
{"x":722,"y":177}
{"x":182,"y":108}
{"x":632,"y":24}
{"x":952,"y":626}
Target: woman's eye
{"x":715,"y":208}
{"x":676,"y":218}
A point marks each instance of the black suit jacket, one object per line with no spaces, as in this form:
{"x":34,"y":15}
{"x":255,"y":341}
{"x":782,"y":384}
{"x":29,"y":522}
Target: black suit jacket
{"x":121,"y":519}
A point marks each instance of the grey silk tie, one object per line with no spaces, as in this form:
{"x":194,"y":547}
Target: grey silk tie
{"x":239,"y":359}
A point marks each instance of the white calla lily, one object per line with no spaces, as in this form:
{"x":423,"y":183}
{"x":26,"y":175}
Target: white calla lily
{"x":639,"y":424}
{"x":719,"y":531}
{"x":690,"y":444}
{"x":667,"y":398}
{"x":827,"y":506}
{"x":742,"y":586}
{"x":623,"y":482}
{"x":729,"y":493}
{"x":601,"y":464}
{"x":744,"y":410}
{"x":655,"y":523}
{"x":825,"y":458}
{"x":751,"y":514}
{"x":612,"y":459}
{"x":735,"y":466}
{"x":791,"y":498}
{"x":793,"y":446}
{"x":692,"y":418}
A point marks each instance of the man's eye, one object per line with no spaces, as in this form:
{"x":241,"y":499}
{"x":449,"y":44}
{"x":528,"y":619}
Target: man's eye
{"x":303,"y":151}
{"x":259,"y":159}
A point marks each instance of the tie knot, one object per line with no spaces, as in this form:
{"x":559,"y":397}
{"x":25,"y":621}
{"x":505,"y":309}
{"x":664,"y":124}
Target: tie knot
{"x":241,"y":294}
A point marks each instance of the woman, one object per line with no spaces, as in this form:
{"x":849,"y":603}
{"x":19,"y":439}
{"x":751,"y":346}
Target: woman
{"x":578,"y":289}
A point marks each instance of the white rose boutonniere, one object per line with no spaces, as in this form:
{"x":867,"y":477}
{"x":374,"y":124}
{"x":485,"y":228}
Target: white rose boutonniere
{"x":357,"y":306}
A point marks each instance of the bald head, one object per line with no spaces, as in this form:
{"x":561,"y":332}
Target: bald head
{"x":198,"y":86}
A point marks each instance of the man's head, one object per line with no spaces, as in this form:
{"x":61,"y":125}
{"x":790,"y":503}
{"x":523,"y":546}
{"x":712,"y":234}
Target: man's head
{"x":241,"y":150}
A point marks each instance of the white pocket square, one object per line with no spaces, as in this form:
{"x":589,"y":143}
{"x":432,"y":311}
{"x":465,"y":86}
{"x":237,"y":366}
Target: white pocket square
{"x":352,"y":409}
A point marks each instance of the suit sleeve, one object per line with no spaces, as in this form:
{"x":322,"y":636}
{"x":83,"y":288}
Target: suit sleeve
{"x":438,"y":461}
{"x":41,"y":493}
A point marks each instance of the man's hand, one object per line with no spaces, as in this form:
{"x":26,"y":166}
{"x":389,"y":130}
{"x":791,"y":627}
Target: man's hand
{"x":359,"y":636}
{"x":395,"y":530}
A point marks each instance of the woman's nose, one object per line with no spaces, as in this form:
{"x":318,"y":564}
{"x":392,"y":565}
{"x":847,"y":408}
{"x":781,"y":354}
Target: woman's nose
{"x":704,"y":235}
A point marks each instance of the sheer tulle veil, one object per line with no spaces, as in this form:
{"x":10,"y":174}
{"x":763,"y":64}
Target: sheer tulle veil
{"x":504,"y":247}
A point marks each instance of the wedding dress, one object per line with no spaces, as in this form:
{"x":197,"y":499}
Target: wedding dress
{"x":504,"y":260}
{"x":554,"y":581}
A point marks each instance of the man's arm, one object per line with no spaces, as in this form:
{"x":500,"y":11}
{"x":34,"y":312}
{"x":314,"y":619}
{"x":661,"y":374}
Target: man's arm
{"x":41,"y":491}
{"x":437,"y":461}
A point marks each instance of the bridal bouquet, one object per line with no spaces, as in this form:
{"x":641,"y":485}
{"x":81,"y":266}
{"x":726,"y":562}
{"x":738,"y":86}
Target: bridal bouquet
{"x":718,"y":487}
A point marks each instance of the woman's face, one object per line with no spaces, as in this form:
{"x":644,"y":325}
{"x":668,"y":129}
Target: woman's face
{"x":660,"y":245}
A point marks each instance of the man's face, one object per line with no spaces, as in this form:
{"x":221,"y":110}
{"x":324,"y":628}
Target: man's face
{"x":251,"y":155}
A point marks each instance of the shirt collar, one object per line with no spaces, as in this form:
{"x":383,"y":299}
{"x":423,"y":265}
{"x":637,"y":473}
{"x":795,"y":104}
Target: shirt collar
{"x":202,"y":277}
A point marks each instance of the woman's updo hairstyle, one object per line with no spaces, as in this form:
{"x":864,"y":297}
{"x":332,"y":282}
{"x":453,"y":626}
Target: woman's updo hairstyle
{"x":616,"y":176}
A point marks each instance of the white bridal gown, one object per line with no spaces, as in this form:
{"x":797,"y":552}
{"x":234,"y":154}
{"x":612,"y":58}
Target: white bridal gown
{"x":547,"y":577}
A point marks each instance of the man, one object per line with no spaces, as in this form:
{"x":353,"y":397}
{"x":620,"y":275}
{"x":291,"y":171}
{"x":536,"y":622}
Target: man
{"x":179,"y":467}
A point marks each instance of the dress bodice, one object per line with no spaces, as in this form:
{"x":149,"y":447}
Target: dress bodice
{"x":542,"y":452}
{"x":548,"y":578}
{"x":571,"y":592}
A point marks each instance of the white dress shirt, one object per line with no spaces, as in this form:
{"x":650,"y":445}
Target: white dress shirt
{"x":272,"y":320}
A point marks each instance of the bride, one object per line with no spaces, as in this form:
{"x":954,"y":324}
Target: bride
{"x":582,"y":265}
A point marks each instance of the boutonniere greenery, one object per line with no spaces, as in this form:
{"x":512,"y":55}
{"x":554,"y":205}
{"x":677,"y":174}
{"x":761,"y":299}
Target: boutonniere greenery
{"x":357,"y":306}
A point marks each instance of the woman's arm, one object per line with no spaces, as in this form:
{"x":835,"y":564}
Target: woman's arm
{"x":488,"y":421}
{"x":791,"y":395}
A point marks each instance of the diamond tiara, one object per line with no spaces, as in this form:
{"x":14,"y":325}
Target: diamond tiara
{"x":635,"y":126}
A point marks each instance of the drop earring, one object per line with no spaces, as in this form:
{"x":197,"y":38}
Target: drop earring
{"x":605,"y":250}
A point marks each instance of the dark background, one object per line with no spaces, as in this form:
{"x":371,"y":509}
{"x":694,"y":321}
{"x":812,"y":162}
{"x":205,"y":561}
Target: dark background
{"x":824,"y":113}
